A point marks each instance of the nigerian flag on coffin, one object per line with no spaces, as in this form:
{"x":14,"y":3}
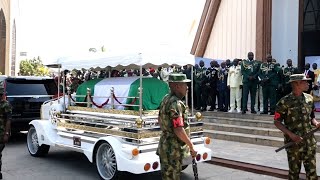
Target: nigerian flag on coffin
{"x":153,"y":91}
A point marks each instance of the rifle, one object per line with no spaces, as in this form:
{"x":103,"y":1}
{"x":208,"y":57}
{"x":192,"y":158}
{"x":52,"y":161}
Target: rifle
{"x":292,"y":143}
{"x":195,"y":169}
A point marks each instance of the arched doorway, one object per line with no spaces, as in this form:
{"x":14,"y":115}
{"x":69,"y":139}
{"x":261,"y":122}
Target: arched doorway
{"x":2,"y":42}
{"x":310,"y":29}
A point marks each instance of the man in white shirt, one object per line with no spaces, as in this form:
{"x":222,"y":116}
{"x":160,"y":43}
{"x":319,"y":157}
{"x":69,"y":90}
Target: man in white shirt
{"x":164,"y":73}
{"x":234,"y":83}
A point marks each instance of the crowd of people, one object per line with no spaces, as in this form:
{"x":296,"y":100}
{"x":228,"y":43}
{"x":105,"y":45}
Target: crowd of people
{"x":225,"y":86}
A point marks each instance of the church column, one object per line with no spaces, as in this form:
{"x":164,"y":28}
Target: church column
{"x":263,"y":29}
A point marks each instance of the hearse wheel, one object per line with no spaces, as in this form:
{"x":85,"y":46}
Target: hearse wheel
{"x":33,"y":144}
{"x":106,"y":162}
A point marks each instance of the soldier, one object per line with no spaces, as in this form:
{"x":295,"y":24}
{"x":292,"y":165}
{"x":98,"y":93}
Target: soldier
{"x":269,"y":81}
{"x":223,"y":88}
{"x":235,"y":85}
{"x":200,"y":86}
{"x":287,"y":72}
{"x":249,"y":69}
{"x":212,"y":75}
{"x":195,"y":88}
{"x":278,"y":80}
{"x":5,"y":122}
{"x":174,"y":144}
{"x":187,"y":72}
{"x":228,"y":63}
{"x":294,"y":117}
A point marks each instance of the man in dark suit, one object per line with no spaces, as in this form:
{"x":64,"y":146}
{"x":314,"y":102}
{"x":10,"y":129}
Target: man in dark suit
{"x":309,"y":74}
{"x":187,"y":72}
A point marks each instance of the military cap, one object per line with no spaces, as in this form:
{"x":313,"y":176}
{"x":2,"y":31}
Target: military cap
{"x":298,"y":77}
{"x":175,"y":77}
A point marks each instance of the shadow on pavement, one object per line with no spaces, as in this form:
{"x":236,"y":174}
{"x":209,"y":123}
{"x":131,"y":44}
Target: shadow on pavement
{"x":18,"y":138}
{"x":79,"y":163}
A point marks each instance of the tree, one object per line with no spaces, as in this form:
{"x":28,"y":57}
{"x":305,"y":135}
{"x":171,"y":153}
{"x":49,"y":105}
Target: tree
{"x":103,"y":49}
{"x":92,"y":50}
{"x":33,"y":67}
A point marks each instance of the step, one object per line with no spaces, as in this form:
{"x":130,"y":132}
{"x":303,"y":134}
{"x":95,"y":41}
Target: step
{"x":243,"y":129}
{"x":245,"y":138}
{"x":253,"y":154}
{"x":241,"y":122}
{"x":248,"y":130}
{"x":237,"y":115}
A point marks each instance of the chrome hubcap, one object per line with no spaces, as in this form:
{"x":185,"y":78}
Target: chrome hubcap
{"x":33,"y":143}
{"x":106,"y":161}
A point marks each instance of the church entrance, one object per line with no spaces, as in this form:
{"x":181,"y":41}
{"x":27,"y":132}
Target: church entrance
{"x":310,"y":35}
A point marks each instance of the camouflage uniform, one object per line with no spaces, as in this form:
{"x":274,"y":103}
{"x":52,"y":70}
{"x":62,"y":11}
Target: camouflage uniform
{"x":5,"y":114}
{"x":171,"y":149}
{"x":296,"y":114}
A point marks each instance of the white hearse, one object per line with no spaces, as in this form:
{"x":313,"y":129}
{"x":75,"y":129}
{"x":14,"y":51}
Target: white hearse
{"x":114,"y":139}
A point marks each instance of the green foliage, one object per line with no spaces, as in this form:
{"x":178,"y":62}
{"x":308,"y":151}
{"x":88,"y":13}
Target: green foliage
{"x":103,"y":49}
{"x":92,"y":50}
{"x":33,"y":67}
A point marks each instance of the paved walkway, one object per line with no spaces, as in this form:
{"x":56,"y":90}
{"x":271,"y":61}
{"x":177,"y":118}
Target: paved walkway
{"x":255,"y":154}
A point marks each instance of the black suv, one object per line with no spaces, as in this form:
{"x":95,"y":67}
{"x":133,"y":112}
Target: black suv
{"x":26,"y":95}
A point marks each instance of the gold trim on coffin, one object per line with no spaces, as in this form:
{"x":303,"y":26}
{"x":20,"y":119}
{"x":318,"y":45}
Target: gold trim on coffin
{"x":141,"y":135}
{"x":114,"y":111}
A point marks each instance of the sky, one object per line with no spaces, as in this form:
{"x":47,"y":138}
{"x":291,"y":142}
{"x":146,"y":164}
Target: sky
{"x":53,"y":28}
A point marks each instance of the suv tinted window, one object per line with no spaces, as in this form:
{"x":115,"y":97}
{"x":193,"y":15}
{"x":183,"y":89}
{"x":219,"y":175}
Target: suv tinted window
{"x":30,"y":87}
{"x":26,"y":97}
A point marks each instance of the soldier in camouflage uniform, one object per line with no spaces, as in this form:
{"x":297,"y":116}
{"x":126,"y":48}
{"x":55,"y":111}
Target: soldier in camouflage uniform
{"x":294,"y":117}
{"x":174,"y":144}
{"x":5,"y":122}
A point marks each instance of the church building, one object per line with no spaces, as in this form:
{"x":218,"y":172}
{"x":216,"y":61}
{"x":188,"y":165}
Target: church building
{"x":286,"y":29}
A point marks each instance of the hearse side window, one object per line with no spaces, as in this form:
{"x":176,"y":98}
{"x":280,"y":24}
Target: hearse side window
{"x":30,"y":87}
